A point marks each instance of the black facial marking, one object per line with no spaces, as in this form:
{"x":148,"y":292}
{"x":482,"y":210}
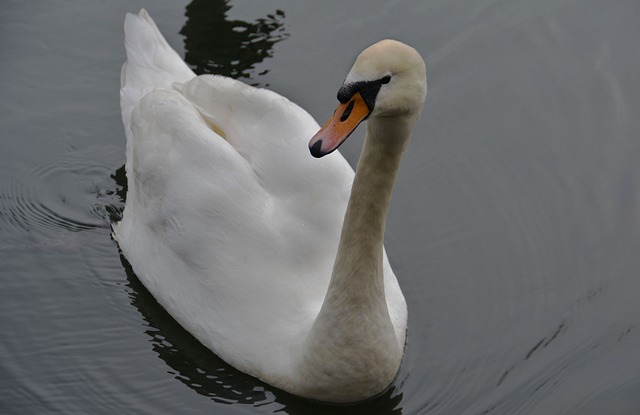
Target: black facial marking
{"x":346,"y":91}
{"x":368,"y":89}
{"x":347,"y":112}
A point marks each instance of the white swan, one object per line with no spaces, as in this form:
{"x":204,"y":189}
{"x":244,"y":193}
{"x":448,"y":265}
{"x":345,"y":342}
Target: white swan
{"x":236,"y":230}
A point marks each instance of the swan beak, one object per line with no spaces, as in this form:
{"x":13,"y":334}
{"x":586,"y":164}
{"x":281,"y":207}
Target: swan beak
{"x":342,"y":123}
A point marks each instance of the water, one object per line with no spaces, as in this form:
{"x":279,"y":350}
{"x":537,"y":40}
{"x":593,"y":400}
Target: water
{"x":514,"y":228}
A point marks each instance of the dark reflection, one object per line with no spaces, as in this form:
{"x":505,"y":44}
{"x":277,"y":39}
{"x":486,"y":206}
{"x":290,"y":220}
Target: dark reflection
{"x":215,"y":45}
{"x":115,"y":205}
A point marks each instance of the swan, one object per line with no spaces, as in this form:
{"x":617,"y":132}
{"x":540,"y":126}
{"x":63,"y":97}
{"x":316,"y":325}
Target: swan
{"x":271,"y":258}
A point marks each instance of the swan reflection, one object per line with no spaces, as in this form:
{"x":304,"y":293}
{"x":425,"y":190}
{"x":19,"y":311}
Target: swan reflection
{"x":216,"y":45}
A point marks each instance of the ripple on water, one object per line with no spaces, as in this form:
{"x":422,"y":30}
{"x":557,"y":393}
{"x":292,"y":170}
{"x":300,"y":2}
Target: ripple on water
{"x":55,"y":198}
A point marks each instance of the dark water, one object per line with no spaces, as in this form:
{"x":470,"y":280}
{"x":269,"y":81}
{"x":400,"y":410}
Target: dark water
{"x":514,"y":229}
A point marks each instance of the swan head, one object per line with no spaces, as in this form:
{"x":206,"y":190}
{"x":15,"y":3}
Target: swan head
{"x":388,"y":79}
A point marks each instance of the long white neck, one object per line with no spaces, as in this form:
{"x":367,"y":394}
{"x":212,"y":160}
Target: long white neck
{"x":352,"y":348}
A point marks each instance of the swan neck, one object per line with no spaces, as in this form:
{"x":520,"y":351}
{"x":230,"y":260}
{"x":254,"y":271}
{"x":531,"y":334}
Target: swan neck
{"x":354,"y":328}
{"x":360,"y":251}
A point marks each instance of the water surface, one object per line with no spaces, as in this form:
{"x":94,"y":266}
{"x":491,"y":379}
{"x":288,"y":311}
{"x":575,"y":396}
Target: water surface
{"x":514,"y":228}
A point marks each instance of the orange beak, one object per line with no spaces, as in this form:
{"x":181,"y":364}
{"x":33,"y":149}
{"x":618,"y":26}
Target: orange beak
{"x":342,"y":123}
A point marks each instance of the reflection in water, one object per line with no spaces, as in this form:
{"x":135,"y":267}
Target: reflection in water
{"x":114,"y":209}
{"x":215,"y":45}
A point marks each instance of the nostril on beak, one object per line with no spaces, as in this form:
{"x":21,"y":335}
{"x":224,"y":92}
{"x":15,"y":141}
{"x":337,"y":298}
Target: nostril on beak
{"x":347,"y":111}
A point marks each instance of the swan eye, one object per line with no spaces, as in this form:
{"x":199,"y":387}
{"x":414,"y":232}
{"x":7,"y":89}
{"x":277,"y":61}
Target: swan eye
{"x":385,"y":80}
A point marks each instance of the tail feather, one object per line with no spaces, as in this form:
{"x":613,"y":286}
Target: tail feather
{"x":151,"y":62}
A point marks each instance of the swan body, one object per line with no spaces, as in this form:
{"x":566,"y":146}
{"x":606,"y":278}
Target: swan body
{"x":238,"y":232}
